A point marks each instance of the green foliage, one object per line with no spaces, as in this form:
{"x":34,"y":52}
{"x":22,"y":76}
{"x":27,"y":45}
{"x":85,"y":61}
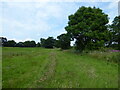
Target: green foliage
{"x":48,"y":43}
{"x":57,"y":45}
{"x":29,"y":44}
{"x":115,"y":30}
{"x":10,"y":43}
{"x":3,"y":41}
{"x":64,"y":41}
{"x":42,"y":40}
{"x":88,"y":27}
{"x":20,"y":44}
{"x":38,"y":45}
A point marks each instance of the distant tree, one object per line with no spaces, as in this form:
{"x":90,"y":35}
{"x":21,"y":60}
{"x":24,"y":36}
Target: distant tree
{"x":115,"y":29}
{"x":42,"y":40}
{"x":10,"y":43}
{"x":32,"y":44}
{"x":3,"y":41}
{"x":29,"y":44}
{"x":64,"y":41}
{"x":88,"y":27}
{"x":38,"y":45}
{"x":19,"y":44}
{"x":57,"y":45}
{"x":49,"y":42}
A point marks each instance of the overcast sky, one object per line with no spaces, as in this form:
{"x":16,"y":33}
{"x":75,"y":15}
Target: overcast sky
{"x":23,"y":21}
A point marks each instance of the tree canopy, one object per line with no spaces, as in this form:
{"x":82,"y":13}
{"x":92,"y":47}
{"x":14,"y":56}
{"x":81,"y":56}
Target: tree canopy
{"x":29,"y":44}
{"x":3,"y":41}
{"x":48,"y":43}
{"x":115,"y":32}
{"x":38,"y":45}
{"x":64,"y":41}
{"x":10,"y":43}
{"x":88,"y":26}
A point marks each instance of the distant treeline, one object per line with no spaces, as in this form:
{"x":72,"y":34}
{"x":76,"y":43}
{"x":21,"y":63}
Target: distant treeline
{"x":12,"y":43}
{"x":62,"y":41}
{"x":87,"y":26}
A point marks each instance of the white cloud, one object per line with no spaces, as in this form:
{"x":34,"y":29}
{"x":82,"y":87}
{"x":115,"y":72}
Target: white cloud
{"x":18,"y":40}
{"x":0,"y":19}
{"x":14,"y":24}
{"x":58,"y":32}
{"x":113,"y":11}
{"x":48,"y":9}
{"x":113,"y":5}
{"x":42,"y":12}
{"x":59,"y":0}
{"x":35,"y":26}
{"x":119,"y":8}
{"x":25,"y":0}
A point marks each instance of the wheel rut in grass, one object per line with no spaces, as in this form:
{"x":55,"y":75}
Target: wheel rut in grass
{"x":50,"y":68}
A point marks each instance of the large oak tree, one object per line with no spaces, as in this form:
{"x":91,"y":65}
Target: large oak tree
{"x":89,"y":27}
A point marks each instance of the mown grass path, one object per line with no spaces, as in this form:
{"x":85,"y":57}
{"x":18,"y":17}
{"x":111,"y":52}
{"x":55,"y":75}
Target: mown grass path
{"x":52,"y":68}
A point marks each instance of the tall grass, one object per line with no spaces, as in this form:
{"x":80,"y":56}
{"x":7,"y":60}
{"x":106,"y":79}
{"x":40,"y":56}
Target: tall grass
{"x":0,"y":67}
{"x":53,"y":68}
{"x":106,"y":55}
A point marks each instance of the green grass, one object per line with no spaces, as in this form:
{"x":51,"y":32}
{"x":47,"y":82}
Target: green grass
{"x":107,"y":56}
{"x":52,"y":68}
{"x":0,"y":67}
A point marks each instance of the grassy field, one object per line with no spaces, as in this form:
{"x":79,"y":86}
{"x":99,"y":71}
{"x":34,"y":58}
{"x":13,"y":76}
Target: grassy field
{"x":0,"y":67}
{"x":52,"y":68}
